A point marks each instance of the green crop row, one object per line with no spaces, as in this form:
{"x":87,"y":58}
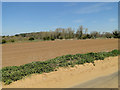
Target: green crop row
{"x":14,"y":73}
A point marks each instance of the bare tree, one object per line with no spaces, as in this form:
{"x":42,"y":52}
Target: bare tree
{"x":79,"y":32}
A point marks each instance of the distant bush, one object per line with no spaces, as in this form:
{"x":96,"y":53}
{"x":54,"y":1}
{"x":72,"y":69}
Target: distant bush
{"x":12,"y":40}
{"x":23,"y":35}
{"x":14,"y":73}
{"x":44,"y":38}
{"x":3,"y":36}
{"x":48,"y":38}
{"x":60,"y":37}
{"x":84,"y":37}
{"x":3,"y":41}
{"x":52,"y":39}
{"x":31,"y":38}
{"x":88,"y":36}
{"x":116,"y":34}
{"x":108,"y":35}
{"x":16,"y":35}
{"x":95,"y":34}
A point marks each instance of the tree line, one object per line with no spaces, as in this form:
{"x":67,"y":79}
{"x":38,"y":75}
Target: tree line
{"x":61,"y":33}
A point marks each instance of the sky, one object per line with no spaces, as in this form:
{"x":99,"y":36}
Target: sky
{"x":25,"y":17}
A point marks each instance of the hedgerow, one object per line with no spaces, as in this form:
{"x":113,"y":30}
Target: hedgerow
{"x":14,"y":73}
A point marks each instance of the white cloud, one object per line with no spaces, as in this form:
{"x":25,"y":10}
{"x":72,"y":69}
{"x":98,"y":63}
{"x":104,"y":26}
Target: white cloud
{"x":71,"y":4}
{"x":94,"y":21}
{"x":78,"y":21}
{"x":112,"y":20}
{"x":93,"y":8}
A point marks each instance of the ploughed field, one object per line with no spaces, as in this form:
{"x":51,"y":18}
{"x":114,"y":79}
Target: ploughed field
{"x":26,"y":52}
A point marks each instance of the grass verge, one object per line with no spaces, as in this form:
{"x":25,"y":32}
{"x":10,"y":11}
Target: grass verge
{"x":14,"y":73}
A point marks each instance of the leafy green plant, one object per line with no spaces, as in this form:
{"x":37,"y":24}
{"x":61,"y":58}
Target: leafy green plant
{"x":14,"y":73}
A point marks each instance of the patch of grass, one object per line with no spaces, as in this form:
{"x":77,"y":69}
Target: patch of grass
{"x":14,"y":73}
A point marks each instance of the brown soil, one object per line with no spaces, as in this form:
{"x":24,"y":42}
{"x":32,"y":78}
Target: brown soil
{"x":22,"y":53}
{"x":69,"y":77}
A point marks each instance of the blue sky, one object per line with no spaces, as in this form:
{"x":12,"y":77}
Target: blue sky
{"x":22,"y":17}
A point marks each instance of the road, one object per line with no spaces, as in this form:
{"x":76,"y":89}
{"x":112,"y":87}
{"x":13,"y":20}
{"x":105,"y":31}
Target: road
{"x":110,"y":81}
